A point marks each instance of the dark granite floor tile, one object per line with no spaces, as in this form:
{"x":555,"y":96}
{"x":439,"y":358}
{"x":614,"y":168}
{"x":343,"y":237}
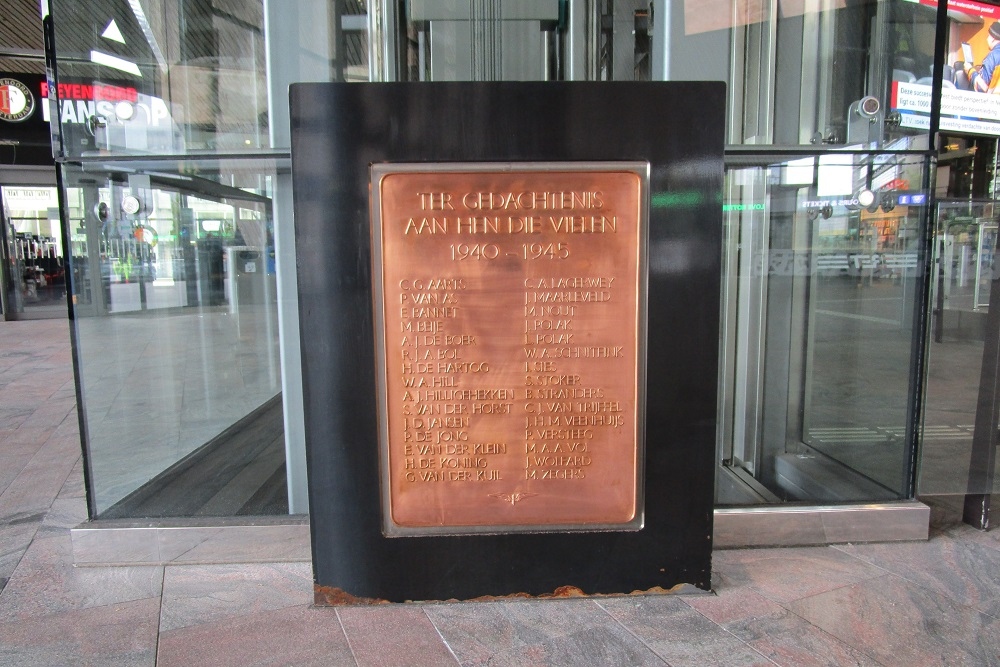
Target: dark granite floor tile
{"x":196,"y":594}
{"x":30,"y":437}
{"x":65,"y":513}
{"x":770,"y":629}
{"x":790,"y":641}
{"x":40,"y":480}
{"x":476,"y":632}
{"x":990,"y":608}
{"x":53,"y":411}
{"x":14,"y":417}
{"x":966,"y":533}
{"x":22,"y":519}
{"x":74,"y":486}
{"x":538,"y":632}
{"x":394,"y":635}
{"x":14,"y":540}
{"x":679,"y":634}
{"x":295,"y":636}
{"x":45,"y":582}
{"x":732,"y":603}
{"x":68,"y":429}
{"x":116,"y":635}
{"x":789,"y":574}
{"x":903,"y":624}
{"x":963,"y":569}
{"x":19,"y":446}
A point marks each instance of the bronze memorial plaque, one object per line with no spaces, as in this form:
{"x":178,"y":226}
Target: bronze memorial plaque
{"x":510,"y":315}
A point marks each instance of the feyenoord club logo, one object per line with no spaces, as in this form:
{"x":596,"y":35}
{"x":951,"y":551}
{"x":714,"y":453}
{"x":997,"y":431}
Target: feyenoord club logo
{"x":16,"y":101}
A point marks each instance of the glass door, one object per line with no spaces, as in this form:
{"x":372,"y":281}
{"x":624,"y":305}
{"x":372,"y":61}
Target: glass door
{"x":820,"y":312}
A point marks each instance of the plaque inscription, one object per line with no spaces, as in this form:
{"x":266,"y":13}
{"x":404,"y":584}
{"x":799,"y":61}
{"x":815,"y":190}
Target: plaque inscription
{"x":509,"y":308}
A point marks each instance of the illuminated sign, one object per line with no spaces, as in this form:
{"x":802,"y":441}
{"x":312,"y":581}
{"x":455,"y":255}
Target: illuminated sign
{"x":16,"y":101}
{"x":912,"y":200}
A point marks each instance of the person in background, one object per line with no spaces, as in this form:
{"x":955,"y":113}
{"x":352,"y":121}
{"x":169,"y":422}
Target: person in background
{"x":981,"y":78}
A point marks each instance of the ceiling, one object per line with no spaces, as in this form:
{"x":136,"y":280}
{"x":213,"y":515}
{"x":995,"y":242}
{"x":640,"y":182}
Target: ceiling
{"x":21,"y":34}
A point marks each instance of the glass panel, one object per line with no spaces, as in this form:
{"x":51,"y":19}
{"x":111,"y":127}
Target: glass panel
{"x":171,"y":77}
{"x":965,"y":248}
{"x":177,"y":338}
{"x":803,"y":73}
{"x":481,"y":40}
{"x":823,"y":263}
{"x":799,"y":73}
{"x":191,"y":76}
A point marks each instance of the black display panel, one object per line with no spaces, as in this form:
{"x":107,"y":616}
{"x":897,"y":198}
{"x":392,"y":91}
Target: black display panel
{"x":24,"y":133}
{"x":339,"y":132}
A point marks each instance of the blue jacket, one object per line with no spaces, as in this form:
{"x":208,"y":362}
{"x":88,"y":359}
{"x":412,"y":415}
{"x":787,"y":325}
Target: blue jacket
{"x":981,"y":78}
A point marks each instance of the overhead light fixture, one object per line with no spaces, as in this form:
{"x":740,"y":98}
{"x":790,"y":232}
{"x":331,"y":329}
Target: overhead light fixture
{"x":115,"y":63}
{"x":113,"y":33}
{"x":866,"y":197}
{"x":131,"y":204}
{"x":147,"y":32}
{"x":124,"y":110}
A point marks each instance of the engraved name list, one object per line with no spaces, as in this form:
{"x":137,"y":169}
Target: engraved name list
{"x":508,"y":312}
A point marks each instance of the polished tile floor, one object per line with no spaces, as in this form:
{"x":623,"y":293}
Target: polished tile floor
{"x":925,"y":603}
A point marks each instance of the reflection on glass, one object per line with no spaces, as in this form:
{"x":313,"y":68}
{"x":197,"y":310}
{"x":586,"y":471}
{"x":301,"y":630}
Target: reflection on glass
{"x":132,"y":82}
{"x":173,"y":261}
{"x":192,"y":77}
{"x":34,"y":252}
{"x":965,"y":247}
{"x":862,"y":326}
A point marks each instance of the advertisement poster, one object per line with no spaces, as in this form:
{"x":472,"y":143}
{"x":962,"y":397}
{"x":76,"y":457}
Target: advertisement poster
{"x":970,"y":97}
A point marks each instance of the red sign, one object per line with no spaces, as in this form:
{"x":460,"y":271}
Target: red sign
{"x":93,"y":92}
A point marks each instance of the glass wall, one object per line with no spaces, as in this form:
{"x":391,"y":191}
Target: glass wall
{"x":825,"y":261}
{"x":965,"y":247}
{"x":176,"y":337}
{"x":169,"y":185}
{"x":173,"y":130}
